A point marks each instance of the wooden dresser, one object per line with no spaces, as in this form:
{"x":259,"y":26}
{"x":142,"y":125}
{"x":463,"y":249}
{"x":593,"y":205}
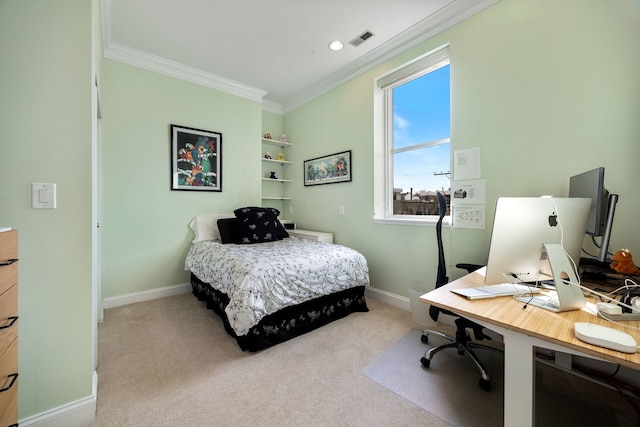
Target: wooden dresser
{"x":9,"y":328}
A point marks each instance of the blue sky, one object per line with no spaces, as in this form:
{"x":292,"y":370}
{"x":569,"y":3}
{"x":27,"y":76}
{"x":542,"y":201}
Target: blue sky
{"x":422,"y":114}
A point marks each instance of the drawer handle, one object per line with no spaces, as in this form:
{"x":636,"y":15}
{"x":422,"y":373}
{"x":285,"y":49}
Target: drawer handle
{"x":13,"y":320}
{"x":8,"y":262}
{"x":13,"y":380}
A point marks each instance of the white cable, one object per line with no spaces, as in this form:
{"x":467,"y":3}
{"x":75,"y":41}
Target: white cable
{"x":607,"y":318}
{"x":591,"y":291}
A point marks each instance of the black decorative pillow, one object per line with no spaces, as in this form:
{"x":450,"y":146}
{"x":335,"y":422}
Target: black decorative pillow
{"x":282,"y":232}
{"x":257,"y":225}
{"x":228,"y":229}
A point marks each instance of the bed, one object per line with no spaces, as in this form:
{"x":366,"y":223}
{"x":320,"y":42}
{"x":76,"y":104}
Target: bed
{"x":269,"y":291}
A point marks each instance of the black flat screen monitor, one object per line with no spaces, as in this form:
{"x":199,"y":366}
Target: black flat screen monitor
{"x":590,"y":184}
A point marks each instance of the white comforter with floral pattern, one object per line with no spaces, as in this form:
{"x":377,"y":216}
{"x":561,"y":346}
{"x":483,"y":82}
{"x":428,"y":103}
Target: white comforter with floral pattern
{"x":263,"y":278}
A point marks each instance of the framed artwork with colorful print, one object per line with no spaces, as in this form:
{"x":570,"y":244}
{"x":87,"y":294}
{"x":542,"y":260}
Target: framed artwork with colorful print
{"x":328,"y":169}
{"x":196,"y":159}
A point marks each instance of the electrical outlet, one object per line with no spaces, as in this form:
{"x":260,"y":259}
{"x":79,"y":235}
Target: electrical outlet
{"x":340,"y":210}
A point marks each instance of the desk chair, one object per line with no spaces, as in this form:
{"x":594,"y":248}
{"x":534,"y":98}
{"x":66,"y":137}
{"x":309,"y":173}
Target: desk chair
{"x":462,"y":341}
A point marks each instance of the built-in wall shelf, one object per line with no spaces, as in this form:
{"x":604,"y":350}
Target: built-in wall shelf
{"x":274,"y":154}
{"x":275,"y":142}
{"x":281,"y":162}
{"x":277,"y":180}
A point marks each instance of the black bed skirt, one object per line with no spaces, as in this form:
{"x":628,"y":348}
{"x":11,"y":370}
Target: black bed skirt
{"x":287,"y":323}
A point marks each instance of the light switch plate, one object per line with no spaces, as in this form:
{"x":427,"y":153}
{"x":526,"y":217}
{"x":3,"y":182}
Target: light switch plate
{"x":43,"y":196}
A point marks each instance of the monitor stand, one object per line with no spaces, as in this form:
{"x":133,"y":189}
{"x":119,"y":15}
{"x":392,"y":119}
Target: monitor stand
{"x":568,"y":296}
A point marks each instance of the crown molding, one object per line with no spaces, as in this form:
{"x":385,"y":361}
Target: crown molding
{"x":455,"y":12}
{"x":272,"y":107}
{"x":447,"y":17}
{"x":170,"y":68}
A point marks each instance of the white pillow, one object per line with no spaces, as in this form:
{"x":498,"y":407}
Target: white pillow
{"x":205,"y":226}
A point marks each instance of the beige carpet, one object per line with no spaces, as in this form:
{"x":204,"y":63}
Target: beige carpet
{"x":449,"y":387}
{"x":169,"y":362}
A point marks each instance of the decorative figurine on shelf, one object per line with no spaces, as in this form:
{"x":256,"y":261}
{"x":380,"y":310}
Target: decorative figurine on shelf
{"x":280,"y":156}
{"x":267,"y":155}
{"x":283,"y":139}
{"x":267,"y":135}
{"x":273,"y":175}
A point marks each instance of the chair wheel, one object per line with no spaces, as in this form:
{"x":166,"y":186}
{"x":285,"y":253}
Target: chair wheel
{"x":484,"y":384}
{"x":425,"y":362}
{"x":424,"y":338}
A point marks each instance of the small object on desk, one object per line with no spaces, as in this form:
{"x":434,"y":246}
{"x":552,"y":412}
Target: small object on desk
{"x":603,"y":336}
{"x":622,"y":262}
{"x":3,"y":229}
{"x":493,"y":291}
{"x":608,"y":308}
{"x":613,"y":312}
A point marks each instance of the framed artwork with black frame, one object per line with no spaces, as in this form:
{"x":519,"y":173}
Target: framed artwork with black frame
{"x":329,"y":169}
{"x":196,"y":159}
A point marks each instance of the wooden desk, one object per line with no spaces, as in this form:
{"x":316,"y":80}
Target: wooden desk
{"x":523,"y":330}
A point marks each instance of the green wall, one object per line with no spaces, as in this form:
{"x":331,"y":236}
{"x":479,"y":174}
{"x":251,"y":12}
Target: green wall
{"x":45,"y":117}
{"x":546,"y":89}
{"x":144,"y":225}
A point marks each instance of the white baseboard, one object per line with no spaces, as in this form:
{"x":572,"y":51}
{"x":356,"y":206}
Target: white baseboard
{"x":80,"y":413}
{"x":149,"y":295}
{"x":386,"y":297}
{"x":401,"y":302}
{"x":389,"y":298}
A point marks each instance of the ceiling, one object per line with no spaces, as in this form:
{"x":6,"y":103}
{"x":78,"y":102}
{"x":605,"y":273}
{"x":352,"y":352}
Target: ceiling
{"x":275,"y":51}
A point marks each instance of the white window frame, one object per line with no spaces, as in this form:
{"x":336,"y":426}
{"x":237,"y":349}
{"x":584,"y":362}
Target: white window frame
{"x":383,"y":137}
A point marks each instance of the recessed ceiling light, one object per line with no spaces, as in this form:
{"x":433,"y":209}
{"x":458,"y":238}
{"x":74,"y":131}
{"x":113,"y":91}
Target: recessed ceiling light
{"x":336,"y":45}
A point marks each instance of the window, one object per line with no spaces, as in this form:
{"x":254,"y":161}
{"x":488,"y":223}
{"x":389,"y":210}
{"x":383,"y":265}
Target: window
{"x":412,"y":139}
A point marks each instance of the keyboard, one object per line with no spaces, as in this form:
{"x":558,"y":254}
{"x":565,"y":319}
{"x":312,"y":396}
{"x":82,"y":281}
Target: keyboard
{"x":494,"y":291}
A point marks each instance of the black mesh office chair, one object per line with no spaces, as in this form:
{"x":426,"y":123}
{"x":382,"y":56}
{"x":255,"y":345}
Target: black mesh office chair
{"x":462,"y":340}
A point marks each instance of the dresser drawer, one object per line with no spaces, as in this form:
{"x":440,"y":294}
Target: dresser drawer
{"x":9,"y":381}
{"x":8,"y":245}
{"x":8,"y":312}
{"x":8,"y":276}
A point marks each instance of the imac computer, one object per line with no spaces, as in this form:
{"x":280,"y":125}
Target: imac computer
{"x":539,"y":239}
{"x":600,"y":222}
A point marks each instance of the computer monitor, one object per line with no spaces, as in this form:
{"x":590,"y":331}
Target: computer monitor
{"x":539,"y":239}
{"x":600,"y":222}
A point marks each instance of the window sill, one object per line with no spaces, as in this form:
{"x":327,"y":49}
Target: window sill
{"x":412,"y":220}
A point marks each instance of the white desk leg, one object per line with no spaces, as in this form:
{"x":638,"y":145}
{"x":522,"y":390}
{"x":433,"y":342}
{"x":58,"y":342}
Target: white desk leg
{"x":518,"y":379}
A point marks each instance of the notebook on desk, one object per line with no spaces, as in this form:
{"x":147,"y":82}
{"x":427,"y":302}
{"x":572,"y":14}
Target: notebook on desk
{"x":494,"y":291}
